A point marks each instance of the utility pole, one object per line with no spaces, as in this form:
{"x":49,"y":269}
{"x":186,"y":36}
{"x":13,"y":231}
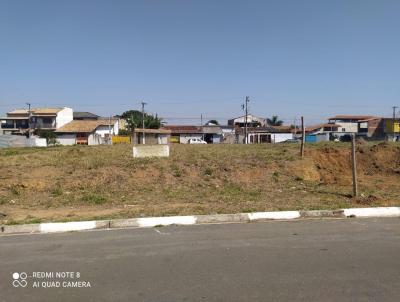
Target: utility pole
{"x":245,"y":123}
{"x":303,"y":137}
{"x":29,"y":119}
{"x":354,"y":164}
{"x":109,"y":131}
{"x":201,"y":124}
{"x":143,"y":140}
{"x":393,"y":120}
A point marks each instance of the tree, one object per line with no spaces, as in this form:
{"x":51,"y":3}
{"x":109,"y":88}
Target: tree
{"x":274,"y":121}
{"x":49,"y":135}
{"x":134,"y":120}
{"x":212,"y":122}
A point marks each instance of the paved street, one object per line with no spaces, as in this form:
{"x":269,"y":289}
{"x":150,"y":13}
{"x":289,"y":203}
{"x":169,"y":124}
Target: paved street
{"x":308,"y":260}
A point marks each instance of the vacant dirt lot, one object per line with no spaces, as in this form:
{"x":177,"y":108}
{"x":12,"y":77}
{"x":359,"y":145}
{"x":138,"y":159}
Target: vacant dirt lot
{"x":82,"y":182}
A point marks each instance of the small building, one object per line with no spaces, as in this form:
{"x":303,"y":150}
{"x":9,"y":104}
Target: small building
{"x":84,"y":115}
{"x":87,"y":132}
{"x":228,"y":135}
{"x":392,"y":129}
{"x":252,"y":121}
{"x":258,"y":135}
{"x":182,"y":133}
{"x":212,"y":134}
{"x":319,"y":133}
{"x":20,"y":120}
{"x":151,"y":136}
{"x":373,"y":128}
{"x":348,"y":124}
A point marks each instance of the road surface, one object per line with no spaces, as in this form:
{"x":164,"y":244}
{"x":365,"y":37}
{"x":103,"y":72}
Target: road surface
{"x":306,"y":260}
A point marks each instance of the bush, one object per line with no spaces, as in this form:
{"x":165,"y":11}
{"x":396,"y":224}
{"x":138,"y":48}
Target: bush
{"x":49,"y":135}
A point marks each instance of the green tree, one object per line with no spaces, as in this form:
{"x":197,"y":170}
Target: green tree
{"x":49,"y":135}
{"x":134,"y":120}
{"x":274,"y":121}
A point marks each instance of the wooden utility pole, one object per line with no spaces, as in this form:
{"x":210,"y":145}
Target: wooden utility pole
{"x":109,"y":131}
{"x":354,"y":164}
{"x":393,"y":121}
{"x":201,"y":124}
{"x":303,"y":136}
{"x":29,"y":119}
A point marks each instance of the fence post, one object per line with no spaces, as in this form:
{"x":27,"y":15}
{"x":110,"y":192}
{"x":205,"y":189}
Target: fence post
{"x":303,"y":137}
{"x":354,"y":164}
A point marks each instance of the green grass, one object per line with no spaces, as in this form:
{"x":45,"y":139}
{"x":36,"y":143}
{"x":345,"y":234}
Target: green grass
{"x":94,"y":198}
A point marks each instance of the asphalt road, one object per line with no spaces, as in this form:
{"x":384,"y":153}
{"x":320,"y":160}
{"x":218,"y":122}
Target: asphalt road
{"x":308,"y":260}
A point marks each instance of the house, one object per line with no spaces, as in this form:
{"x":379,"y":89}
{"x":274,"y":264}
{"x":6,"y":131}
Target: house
{"x":84,"y":115}
{"x":252,"y":121}
{"x":182,"y":133}
{"x":391,"y":129}
{"x":258,"y":135}
{"x":319,"y":133}
{"x":372,"y":128}
{"x":87,"y":132}
{"x":21,"y":120}
{"x":212,"y":134}
{"x":348,"y":124}
{"x":151,"y":136}
{"x":228,"y":135}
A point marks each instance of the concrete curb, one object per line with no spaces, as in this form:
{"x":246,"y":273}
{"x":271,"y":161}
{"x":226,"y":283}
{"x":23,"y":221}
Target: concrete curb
{"x":58,"y":227}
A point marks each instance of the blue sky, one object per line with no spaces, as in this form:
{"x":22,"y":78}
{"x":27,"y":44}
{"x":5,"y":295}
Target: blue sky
{"x":185,"y":58}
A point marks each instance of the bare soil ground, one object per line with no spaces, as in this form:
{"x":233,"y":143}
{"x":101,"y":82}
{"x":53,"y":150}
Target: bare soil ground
{"x":83,"y":182}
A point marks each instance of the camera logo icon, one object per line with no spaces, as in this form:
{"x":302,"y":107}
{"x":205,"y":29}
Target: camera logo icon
{"x":19,"y":279}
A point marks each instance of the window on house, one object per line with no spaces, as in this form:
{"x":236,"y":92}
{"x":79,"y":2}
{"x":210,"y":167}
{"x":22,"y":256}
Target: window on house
{"x":47,"y":120}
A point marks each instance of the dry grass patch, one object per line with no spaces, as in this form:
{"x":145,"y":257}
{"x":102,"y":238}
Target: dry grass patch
{"x":105,"y":181}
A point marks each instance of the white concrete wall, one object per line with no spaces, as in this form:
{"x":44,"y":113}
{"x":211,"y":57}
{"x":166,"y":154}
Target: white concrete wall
{"x":151,"y":151}
{"x":163,"y":139}
{"x":67,"y":139}
{"x":322,"y":137}
{"x":64,"y":117}
{"x":281,"y":137}
{"x":103,"y":130}
{"x":348,"y":127}
{"x":39,"y":142}
{"x":94,"y":139}
{"x":185,"y":137}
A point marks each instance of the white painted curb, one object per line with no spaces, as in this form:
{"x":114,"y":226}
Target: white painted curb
{"x":155,"y":221}
{"x":197,"y":219}
{"x":274,"y":215}
{"x":66,"y":226}
{"x":373,"y":212}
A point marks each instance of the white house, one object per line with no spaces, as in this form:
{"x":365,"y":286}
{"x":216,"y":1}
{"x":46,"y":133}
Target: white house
{"x":252,"y":121}
{"x":87,"y":132}
{"x":348,"y":123}
{"x":20,"y":120}
{"x":258,"y":135}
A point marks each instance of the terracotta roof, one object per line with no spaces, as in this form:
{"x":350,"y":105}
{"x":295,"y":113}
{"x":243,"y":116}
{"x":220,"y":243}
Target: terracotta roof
{"x":351,"y":117}
{"x":182,"y":129}
{"x":283,"y":127}
{"x":37,"y":111}
{"x":83,"y":126}
{"x":370,"y":119}
{"x":155,"y":131}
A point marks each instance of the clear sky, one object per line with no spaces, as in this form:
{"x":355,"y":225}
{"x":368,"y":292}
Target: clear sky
{"x":311,"y":57}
